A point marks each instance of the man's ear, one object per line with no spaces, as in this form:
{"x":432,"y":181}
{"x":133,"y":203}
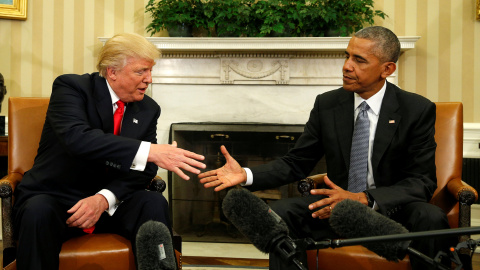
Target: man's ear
{"x":111,"y":73}
{"x":388,"y":69}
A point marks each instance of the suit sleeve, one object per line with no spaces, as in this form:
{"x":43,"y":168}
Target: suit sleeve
{"x":298,"y":162}
{"x":125,"y":184}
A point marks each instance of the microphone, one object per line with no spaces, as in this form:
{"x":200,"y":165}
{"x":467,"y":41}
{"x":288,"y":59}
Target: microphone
{"x":352,"y":219}
{"x":262,"y":226}
{"x":154,"y":247}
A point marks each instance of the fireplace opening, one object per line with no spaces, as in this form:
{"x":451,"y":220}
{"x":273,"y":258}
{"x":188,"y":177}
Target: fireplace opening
{"x":196,"y":212}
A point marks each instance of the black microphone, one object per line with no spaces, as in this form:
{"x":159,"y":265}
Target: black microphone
{"x":262,"y":226}
{"x":352,"y":219}
{"x":154,"y":247}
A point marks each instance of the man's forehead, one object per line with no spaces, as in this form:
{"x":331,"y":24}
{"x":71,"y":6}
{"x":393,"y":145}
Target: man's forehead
{"x":362,"y":47}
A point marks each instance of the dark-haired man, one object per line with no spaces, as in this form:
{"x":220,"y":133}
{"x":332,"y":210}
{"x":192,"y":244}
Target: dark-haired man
{"x":390,"y":167}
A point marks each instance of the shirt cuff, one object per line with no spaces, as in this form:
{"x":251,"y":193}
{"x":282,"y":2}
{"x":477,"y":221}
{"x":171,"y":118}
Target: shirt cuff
{"x":111,"y":199}
{"x":249,"y":177}
{"x":140,"y":161}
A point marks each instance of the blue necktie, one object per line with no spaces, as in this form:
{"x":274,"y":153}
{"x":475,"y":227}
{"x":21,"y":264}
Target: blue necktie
{"x":357,"y":175}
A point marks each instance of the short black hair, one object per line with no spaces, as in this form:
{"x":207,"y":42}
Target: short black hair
{"x":388,"y":45}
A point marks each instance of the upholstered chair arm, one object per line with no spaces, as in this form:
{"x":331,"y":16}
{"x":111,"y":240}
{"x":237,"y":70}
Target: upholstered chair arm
{"x":466,"y":196}
{"x":462,"y":191}
{"x":7,"y":186}
{"x":309,"y":183}
{"x":157,"y":184}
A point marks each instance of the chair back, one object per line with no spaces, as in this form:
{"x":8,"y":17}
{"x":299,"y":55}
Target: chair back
{"x":449,"y":155}
{"x":26,"y":117}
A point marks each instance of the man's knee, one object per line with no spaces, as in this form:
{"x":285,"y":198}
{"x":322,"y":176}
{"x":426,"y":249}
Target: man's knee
{"x":281,"y":208}
{"x":152,"y":203}
{"x":150,"y":197}
{"x":39,"y":208}
{"x":426,"y":216}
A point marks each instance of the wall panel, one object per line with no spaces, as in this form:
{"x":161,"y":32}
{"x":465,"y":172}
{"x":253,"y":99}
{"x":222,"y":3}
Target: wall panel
{"x":62,"y":37}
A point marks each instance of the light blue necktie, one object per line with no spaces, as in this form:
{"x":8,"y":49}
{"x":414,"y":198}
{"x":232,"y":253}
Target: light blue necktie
{"x":357,"y":175}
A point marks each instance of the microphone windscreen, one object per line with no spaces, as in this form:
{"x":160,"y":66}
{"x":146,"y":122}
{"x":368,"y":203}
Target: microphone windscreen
{"x":154,"y":247}
{"x":254,"y":218}
{"x":352,"y":219}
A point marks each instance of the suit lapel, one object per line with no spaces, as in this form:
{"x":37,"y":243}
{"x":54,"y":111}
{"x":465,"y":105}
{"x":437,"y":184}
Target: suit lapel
{"x":387,"y":125}
{"x":131,"y":122}
{"x":344,"y":124}
{"x":103,"y":104}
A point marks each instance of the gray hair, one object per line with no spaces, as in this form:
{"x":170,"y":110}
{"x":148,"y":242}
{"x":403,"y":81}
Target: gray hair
{"x":388,"y":45}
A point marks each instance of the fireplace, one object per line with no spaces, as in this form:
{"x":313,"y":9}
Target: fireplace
{"x":197,"y":212}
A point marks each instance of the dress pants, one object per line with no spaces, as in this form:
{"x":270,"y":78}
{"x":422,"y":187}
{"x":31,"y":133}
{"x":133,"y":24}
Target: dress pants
{"x":41,"y":227}
{"x":416,"y":216}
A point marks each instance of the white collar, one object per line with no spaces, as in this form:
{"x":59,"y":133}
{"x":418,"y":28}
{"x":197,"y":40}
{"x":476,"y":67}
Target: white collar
{"x":374,"y":102}
{"x":114,"y":96}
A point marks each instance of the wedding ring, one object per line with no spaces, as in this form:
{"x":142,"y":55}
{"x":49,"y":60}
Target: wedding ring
{"x":330,"y":207}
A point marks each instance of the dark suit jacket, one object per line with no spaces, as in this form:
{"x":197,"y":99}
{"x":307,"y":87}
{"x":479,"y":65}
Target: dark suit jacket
{"x":403,"y":158}
{"x":78,"y":154}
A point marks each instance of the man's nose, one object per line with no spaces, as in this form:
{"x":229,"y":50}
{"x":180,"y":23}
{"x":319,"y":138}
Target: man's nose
{"x":148,"y":77}
{"x":347,"y":66}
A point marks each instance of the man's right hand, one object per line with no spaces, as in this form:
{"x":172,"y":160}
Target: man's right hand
{"x":174,"y":159}
{"x":230,"y":174}
{"x":86,"y":212}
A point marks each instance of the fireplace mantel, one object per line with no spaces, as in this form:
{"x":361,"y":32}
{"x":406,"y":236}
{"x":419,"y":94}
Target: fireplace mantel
{"x":219,"y":45}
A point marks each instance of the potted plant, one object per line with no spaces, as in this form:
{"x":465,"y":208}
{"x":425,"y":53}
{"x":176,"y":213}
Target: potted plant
{"x":261,"y":18}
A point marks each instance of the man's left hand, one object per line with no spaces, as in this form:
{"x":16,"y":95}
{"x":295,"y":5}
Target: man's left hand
{"x":334,"y":195}
{"x":86,"y":212}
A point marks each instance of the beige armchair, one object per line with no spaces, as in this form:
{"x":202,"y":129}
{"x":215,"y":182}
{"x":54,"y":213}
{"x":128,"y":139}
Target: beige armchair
{"x":96,"y":251}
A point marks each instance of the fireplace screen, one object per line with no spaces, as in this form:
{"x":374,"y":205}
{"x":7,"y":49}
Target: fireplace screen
{"x":196,"y":211}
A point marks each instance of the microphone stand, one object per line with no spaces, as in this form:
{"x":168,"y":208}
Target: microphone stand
{"x":288,"y":250}
{"x":310,"y":244}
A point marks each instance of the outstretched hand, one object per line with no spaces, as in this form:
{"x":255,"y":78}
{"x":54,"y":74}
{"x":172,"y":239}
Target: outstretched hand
{"x":230,"y":174}
{"x":174,"y":159}
{"x":334,"y":195}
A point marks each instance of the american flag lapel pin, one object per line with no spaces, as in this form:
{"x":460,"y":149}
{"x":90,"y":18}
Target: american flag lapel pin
{"x":135,"y":121}
{"x":391,"y":121}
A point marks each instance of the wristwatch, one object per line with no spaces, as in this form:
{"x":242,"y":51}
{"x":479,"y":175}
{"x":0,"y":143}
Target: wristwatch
{"x":369,"y":199}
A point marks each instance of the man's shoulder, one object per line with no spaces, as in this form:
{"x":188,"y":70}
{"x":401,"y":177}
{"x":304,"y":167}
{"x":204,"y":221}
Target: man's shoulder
{"x":333,"y":97}
{"x":148,"y":103}
{"x":86,"y":76}
{"x":405,"y":97}
{"x":87,"y":79}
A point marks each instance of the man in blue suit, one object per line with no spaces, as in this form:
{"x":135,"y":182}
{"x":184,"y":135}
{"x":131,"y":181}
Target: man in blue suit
{"x":400,"y":175}
{"x":86,"y":178}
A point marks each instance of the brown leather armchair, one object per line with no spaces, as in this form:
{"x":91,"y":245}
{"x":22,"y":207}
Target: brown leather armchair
{"x":96,"y":251}
{"x":452,"y":195}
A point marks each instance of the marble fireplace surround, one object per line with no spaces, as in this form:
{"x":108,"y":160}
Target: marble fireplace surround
{"x":262,"y":80}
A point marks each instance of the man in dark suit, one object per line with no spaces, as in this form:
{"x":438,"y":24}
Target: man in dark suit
{"x":86,"y":178}
{"x":400,"y":167}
